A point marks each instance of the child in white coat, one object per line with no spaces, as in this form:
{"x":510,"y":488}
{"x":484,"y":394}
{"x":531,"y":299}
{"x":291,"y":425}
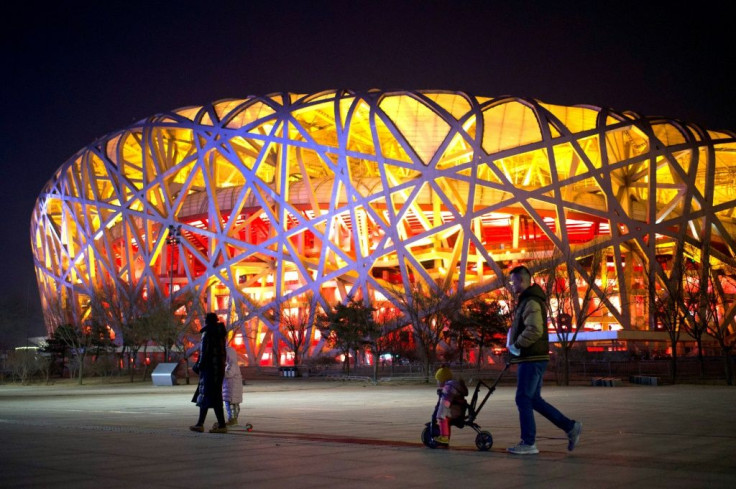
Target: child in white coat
{"x":232,"y":387}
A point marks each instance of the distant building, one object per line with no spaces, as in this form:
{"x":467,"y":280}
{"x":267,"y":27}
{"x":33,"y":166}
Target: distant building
{"x":294,"y":202}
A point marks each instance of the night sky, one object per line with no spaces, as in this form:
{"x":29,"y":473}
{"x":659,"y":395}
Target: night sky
{"x":75,"y":71}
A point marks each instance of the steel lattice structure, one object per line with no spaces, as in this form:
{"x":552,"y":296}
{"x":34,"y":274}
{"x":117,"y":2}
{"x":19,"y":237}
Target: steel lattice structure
{"x":286,"y":198}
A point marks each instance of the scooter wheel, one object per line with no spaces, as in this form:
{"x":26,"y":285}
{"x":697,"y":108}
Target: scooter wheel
{"x":427,"y":438}
{"x":428,"y":435}
{"x":484,"y":441}
{"x":248,"y":427}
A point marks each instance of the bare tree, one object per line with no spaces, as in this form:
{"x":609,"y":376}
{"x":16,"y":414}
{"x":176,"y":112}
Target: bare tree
{"x":136,"y":334}
{"x":429,"y":312}
{"x":139,"y":316}
{"x":377,"y":328}
{"x":481,"y":323}
{"x":80,"y":339}
{"x":459,"y":335}
{"x":696,"y":286}
{"x":24,"y":363}
{"x":121,"y":309}
{"x":396,"y":340}
{"x":75,"y":338}
{"x":297,"y":321}
{"x":720,"y":310}
{"x":667,"y":298}
{"x":171,"y":320}
{"x":574,"y":295}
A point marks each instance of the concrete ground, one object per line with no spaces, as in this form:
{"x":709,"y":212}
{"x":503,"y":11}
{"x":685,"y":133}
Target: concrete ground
{"x":309,"y":433}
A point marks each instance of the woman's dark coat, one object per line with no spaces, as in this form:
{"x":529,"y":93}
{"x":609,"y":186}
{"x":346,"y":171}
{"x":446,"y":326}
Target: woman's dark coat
{"x":211,"y":365}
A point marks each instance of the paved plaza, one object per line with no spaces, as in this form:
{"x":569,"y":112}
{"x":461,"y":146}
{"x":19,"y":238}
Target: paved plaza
{"x":318,"y":433}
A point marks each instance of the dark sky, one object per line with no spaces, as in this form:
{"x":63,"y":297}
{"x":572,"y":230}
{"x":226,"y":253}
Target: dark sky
{"x":75,"y":71}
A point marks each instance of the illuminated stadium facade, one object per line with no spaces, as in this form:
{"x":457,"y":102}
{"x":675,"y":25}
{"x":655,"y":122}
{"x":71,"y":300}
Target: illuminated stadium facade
{"x":288,"y":199}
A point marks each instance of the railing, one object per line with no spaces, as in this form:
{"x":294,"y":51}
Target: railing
{"x":688,"y":370}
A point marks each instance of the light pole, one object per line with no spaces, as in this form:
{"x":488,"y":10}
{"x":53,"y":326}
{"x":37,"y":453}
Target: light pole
{"x":172,"y":240}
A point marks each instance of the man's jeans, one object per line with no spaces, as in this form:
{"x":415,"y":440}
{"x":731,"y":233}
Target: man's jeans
{"x":529,"y":399}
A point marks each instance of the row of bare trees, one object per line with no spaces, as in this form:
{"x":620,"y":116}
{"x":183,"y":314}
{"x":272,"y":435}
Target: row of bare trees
{"x":126,"y":319}
{"x":348,"y":328}
{"x":682,"y":296}
{"x":576,"y":290}
{"x":692,"y":298}
{"x":442,"y":315}
{"x":435,"y":316}
{"x":581,"y":287}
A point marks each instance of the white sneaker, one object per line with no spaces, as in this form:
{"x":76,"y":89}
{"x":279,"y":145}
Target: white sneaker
{"x":523,"y":449}
{"x":573,"y":436}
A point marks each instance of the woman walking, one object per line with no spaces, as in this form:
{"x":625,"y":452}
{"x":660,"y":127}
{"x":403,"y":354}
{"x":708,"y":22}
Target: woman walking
{"x":211,"y":369}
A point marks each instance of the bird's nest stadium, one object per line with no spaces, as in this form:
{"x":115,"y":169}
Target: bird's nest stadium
{"x":306,"y":200}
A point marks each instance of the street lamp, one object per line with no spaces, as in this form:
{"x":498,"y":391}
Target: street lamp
{"x":172,"y":240}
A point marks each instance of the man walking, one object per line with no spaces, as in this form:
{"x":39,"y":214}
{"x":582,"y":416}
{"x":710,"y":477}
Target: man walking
{"x":528,"y":343}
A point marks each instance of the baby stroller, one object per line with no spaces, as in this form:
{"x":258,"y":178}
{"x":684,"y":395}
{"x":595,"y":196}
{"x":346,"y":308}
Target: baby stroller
{"x":483,"y":439}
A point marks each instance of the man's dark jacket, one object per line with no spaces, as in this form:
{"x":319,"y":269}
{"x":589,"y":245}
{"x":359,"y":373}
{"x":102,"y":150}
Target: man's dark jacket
{"x":529,"y":327}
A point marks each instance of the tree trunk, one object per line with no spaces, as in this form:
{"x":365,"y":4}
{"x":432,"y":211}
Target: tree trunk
{"x":186,"y":363}
{"x":431,"y":354}
{"x":145,"y":364}
{"x":376,"y":359}
{"x":121,"y":360}
{"x":131,"y":363}
{"x":673,"y":368}
{"x":728,"y":365}
{"x":565,"y":364}
{"x":81,"y":369}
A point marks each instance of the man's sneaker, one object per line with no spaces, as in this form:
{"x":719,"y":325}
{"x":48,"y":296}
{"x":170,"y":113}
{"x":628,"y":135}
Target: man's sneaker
{"x":198,"y":428}
{"x":216,"y":428}
{"x":573,"y":436}
{"x":523,"y":449}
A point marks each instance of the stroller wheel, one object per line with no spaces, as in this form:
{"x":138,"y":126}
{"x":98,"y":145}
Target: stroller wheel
{"x":484,"y":441}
